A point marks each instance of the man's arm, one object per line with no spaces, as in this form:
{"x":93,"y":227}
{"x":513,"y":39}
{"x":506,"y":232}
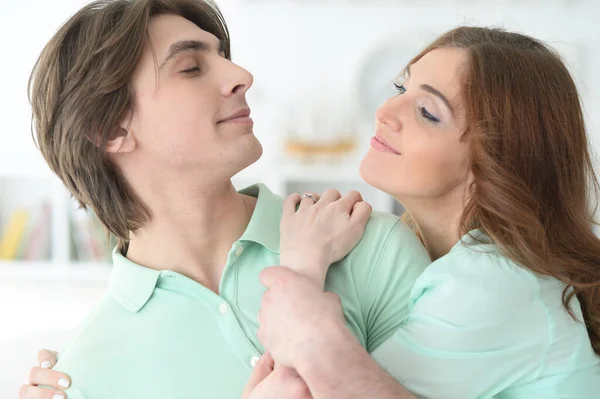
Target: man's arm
{"x":304,"y":328}
{"x":342,"y":369}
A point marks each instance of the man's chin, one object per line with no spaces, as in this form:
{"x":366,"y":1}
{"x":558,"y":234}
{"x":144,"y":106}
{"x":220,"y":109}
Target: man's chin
{"x":256,"y":153}
{"x":249,"y":156}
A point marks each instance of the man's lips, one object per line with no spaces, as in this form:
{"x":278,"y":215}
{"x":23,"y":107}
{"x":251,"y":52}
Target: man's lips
{"x":243,"y":115}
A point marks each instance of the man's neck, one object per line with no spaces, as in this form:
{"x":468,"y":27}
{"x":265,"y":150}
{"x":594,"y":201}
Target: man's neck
{"x":192,"y":230}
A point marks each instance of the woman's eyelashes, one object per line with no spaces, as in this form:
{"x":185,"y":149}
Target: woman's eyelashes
{"x":422,"y":110}
{"x":427,"y":115}
{"x":401,"y":89}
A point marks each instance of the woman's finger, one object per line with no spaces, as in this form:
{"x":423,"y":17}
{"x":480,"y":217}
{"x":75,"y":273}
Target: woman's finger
{"x":361,"y":213}
{"x":309,"y":200}
{"x":291,"y":204}
{"x":347,"y":202}
{"x":330,"y":195}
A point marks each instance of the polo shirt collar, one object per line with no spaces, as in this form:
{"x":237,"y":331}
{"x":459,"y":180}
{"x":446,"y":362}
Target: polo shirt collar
{"x":263,"y":227}
{"x":132,"y":285}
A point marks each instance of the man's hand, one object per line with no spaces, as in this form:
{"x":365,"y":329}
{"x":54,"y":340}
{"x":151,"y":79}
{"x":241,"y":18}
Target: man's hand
{"x":297,"y":318}
{"x":315,"y":235}
{"x":44,"y":375}
{"x":270,"y":382}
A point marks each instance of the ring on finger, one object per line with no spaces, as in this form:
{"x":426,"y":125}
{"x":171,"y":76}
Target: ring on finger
{"x":308,"y":195}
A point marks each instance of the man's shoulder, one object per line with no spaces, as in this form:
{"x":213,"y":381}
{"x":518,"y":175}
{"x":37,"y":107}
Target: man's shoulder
{"x":83,"y":357}
{"x":388,"y":233}
{"x":381,"y":269}
{"x":389,"y":253}
{"x":382,"y":220}
{"x":99,"y":322}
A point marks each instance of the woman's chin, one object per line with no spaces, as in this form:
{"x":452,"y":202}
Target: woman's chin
{"x":371,"y":172}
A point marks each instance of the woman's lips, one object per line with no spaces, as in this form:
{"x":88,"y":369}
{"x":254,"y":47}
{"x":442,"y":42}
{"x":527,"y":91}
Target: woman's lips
{"x":379,"y":144}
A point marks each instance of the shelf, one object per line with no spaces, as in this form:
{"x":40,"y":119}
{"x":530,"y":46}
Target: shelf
{"x":78,"y":271}
{"x":28,"y":187}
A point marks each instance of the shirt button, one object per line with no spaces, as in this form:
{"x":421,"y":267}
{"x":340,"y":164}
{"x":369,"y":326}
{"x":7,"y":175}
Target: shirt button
{"x":239,"y":251}
{"x":254,"y":360}
{"x":223,"y":309}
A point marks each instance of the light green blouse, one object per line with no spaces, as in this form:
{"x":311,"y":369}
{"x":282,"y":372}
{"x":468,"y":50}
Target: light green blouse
{"x":480,"y":326}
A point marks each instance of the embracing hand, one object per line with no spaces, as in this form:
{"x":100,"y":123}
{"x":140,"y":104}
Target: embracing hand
{"x":270,"y":382}
{"x":316,"y":232}
{"x":297,"y":319}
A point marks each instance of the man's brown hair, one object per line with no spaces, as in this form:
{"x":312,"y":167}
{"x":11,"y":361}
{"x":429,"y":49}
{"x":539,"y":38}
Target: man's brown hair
{"x":80,"y":90}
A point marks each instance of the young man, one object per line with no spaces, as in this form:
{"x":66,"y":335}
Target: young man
{"x":139,"y":110}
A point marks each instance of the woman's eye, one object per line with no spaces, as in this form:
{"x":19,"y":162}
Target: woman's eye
{"x":401,"y":89}
{"x":427,"y":115}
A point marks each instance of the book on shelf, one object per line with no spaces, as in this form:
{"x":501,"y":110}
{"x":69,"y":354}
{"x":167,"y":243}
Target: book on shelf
{"x":26,"y":236}
{"x":91,"y":241}
{"x":39,"y":241}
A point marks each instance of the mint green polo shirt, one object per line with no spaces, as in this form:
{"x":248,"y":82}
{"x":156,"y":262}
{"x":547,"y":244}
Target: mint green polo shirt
{"x":158,"y":334}
{"x":481,"y":326}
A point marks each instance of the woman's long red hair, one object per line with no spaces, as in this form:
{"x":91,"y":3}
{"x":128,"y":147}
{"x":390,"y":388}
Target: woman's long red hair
{"x":534,"y":190}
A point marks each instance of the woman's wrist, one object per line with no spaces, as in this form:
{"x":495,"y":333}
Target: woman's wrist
{"x":311,"y":265}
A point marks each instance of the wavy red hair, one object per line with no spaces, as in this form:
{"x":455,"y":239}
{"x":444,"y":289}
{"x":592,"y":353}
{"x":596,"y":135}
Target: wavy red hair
{"x":534,"y":190}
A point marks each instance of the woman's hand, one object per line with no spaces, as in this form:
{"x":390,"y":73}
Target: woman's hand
{"x":270,"y":382}
{"x":44,"y":375}
{"x":316,"y":234}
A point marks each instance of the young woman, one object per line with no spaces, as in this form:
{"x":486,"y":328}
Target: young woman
{"x":486,"y":148}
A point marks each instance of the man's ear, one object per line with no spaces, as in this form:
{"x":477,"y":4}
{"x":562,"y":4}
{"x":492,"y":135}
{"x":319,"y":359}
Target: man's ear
{"x":121,"y":141}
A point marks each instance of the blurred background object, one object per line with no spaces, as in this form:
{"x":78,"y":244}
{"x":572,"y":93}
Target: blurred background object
{"x":321,"y":70}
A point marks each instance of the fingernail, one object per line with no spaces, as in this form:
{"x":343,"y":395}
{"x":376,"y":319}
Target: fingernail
{"x":46,"y":364}
{"x":58,"y":396}
{"x":63,"y":383}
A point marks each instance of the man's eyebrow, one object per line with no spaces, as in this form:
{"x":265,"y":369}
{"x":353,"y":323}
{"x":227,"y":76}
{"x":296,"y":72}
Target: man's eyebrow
{"x":189,"y":45}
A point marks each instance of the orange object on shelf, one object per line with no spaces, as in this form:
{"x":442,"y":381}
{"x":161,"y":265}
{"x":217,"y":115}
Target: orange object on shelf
{"x":305,"y":148}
